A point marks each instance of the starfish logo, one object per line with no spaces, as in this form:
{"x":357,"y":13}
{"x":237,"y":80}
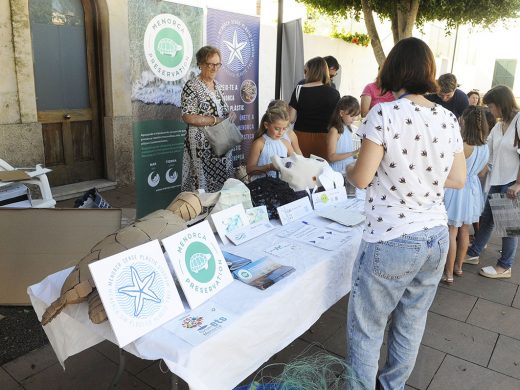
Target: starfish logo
{"x":235,"y":49}
{"x":138,"y":290}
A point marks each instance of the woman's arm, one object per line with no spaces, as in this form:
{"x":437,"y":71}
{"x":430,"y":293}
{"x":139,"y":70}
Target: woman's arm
{"x":292,"y":114}
{"x":288,"y":145}
{"x":254,"y":155}
{"x":294,"y":141}
{"x":332,"y":140}
{"x":457,"y":176}
{"x":201,"y":120}
{"x":365,"y":105}
{"x":362,"y":172}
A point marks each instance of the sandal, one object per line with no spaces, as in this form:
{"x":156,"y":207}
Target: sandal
{"x":447,"y":280}
{"x":458,"y":272}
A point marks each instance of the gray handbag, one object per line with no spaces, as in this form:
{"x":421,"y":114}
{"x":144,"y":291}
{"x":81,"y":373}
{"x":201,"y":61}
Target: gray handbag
{"x":223,"y":136}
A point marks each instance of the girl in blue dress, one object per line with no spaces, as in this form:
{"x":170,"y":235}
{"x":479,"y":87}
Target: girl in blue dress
{"x":464,"y":206}
{"x":269,"y":142}
{"x":340,"y":148}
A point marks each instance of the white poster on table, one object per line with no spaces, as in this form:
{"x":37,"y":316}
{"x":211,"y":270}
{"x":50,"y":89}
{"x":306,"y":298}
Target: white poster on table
{"x":198,"y":263}
{"x":137,"y":291}
{"x":229,"y":219}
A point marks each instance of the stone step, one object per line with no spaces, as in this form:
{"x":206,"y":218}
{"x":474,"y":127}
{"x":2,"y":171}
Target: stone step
{"x":75,"y":190}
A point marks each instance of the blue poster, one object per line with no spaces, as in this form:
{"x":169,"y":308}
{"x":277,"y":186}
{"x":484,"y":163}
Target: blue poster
{"x":237,"y":38}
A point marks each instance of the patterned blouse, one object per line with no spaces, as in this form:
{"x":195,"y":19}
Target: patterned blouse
{"x":407,"y":192}
{"x":197,"y":99}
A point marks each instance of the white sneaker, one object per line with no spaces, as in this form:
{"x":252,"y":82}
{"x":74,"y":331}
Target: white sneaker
{"x":471,"y":260}
{"x":491,"y":272}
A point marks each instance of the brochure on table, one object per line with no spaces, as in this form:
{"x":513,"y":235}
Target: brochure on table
{"x":200,"y":324}
{"x":295,"y":210}
{"x":137,"y":291}
{"x":198,"y":263}
{"x":229,"y":219}
{"x":263,"y":273}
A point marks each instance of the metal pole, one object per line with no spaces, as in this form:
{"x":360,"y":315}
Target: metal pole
{"x":279,"y":35}
{"x":454,"y":47}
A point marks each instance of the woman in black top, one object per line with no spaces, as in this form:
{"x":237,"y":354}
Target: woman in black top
{"x":311,"y":107}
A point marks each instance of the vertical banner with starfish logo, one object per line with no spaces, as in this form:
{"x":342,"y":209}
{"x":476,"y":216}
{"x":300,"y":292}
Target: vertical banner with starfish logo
{"x":237,"y":37}
{"x":164,"y":37}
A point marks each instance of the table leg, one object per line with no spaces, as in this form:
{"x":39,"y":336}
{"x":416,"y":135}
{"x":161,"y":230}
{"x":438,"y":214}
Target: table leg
{"x":120,"y":369}
{"x":177,"y":383}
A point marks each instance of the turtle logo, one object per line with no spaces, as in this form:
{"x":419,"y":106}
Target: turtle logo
{"x":200,"y":262}
{"x":168,"y":47}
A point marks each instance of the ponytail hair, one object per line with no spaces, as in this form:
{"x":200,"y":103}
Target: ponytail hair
{"x":475,"y":127}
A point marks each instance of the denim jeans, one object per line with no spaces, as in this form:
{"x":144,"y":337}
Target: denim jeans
{"x":509,"y":244}
{"x":398,"y":278}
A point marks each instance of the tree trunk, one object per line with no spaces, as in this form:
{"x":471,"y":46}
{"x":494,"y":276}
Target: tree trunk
{"x":406,"y":11}
{"x":372,"y":32}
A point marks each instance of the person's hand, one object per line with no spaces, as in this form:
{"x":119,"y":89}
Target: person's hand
{"x":513,"y":191}
{"x":232,"y":116}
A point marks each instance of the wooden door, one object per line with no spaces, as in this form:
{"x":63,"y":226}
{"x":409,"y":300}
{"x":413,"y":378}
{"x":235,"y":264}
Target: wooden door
{"x":64,"y":49}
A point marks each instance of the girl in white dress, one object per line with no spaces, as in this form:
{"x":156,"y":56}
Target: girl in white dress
{"x":269,"y":142}
{"x":340,"y":148}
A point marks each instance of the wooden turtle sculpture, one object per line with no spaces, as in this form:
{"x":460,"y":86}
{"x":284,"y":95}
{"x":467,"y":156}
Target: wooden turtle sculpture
{"x":79,"y":285}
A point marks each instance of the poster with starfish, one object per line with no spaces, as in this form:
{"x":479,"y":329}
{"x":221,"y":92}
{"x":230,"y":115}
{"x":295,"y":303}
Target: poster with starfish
{"x":137,"y":291}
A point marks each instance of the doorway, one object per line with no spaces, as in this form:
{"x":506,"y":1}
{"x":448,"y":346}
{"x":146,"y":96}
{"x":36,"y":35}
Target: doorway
{"x":67,"y":81}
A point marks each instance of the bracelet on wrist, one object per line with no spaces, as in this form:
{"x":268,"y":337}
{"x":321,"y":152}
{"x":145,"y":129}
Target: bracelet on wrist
{"x":214,"y":120}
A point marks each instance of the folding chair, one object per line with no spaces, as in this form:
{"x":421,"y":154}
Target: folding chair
{"x":38,"y":176}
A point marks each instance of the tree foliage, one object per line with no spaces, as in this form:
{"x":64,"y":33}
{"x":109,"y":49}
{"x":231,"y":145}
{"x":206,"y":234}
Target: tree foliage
{"x":404,"y":14}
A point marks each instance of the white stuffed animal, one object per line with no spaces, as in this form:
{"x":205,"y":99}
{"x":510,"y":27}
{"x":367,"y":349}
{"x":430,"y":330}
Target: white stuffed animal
{"x":300,"y":172}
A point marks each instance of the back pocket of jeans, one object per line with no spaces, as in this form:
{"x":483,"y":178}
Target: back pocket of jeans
{"x":395,"y":259}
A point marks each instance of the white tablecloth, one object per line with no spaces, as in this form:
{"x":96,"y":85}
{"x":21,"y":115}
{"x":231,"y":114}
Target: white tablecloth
{"x":264,"y":322}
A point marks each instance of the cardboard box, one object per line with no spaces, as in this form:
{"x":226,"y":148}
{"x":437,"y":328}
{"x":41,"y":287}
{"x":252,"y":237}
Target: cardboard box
{"x":35,"y":243}
{"x":15,"y":195}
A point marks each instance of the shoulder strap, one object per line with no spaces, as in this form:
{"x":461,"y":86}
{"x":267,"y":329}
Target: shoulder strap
{"x":298,"y":89}
{"x":517,"y":136}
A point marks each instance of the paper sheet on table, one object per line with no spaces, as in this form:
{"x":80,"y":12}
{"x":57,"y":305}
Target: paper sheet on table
{"x":341,"y":215}
{"x":200,"y":323}
{"x":320,"y":237}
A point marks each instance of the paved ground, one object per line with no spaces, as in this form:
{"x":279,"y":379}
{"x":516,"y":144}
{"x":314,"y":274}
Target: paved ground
{"x":472,"y":340}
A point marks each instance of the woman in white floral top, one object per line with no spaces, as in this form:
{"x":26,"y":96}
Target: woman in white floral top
{"x":411,"y":149}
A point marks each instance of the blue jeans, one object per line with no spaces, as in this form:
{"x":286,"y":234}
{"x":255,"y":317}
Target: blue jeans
{"x":509,"y":244}
{"x":398,"y":278}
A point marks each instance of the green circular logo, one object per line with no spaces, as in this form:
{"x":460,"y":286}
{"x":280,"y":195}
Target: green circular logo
{"x":200,"y":262}
{"x":168,"y":47}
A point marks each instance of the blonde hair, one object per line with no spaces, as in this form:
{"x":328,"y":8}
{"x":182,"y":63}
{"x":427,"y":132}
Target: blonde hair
{"x":274,"y":113}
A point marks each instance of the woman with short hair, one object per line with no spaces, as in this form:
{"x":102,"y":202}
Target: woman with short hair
{"x":411,"y":149}
{"x":203,"y":105}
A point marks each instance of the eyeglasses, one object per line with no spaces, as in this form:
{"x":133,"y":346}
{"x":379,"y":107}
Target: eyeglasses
{"x":213,"y":66}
